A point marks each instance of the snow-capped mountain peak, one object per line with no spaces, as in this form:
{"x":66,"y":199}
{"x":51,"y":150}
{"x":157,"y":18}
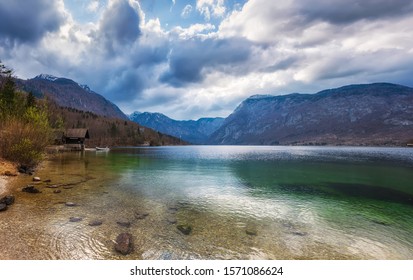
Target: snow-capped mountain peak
{"x":47,"y":77}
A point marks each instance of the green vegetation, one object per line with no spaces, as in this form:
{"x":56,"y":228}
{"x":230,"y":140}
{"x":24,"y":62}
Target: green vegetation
{"x":24,"y":123}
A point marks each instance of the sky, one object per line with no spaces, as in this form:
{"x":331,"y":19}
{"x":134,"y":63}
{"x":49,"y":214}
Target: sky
{"x":200,"y":58}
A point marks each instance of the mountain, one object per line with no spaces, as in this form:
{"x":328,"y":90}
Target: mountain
{"x":196,"y":132}
{"x":371,"y":114}
{"x":68,"y":93}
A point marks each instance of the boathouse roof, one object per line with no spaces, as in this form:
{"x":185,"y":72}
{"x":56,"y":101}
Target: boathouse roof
{"x":82,"y":133}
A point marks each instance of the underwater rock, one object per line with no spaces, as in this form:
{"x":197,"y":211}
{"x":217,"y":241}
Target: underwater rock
{"x":184,"y":228}
{"x":123,"y":223}
{"x":95,"y":223}
{"x":36,"y":179}
{"x":57,"y":191}
{"x":171,"y":220}
{"x":298,"y":233}
{"x":124,"y":243}
{"x":30,"y":189}
{"x":141,"y":216}
{"x":251,"y":229}
{"x":52,"y":186}
{"x":252,"y":232}
{"x":47,"y":181}
{"x":75,"y":219}
{"x":172,"y":209}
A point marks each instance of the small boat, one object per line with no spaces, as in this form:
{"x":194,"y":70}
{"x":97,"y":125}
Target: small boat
{"x":102,"y":149}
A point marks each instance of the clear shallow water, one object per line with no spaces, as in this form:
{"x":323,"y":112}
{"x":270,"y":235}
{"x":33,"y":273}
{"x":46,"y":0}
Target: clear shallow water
{"x":242,"y":202}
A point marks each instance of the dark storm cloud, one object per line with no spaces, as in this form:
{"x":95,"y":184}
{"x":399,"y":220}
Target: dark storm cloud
{"x":23,"y":21}
{"x":345,"y":12}
{"x":119,"y":25}
{"x":189,"y":58}
{"x":124,"y":85}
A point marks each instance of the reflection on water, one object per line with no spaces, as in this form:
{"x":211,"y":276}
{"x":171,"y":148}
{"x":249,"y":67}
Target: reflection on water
{"x":241,"y":203}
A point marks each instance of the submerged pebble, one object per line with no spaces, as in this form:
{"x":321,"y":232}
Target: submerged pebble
{"x":171,"y":220}
{"x":141,"y":216}
{"x":123,"y":223}
{"x":251,"y":232}
{"x":75,"y":219}
{"x":95,"y":223}
{"x":124,"y":243}
{"x":184,"y":228}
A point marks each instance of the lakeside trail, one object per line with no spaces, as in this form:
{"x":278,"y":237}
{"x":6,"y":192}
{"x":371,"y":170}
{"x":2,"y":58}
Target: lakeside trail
{"x":7,"y":171}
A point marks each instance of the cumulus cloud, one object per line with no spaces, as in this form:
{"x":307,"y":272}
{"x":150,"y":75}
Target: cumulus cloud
{"x":119,"y":24}
{"x":209,"y":8}
{"x":28,"y":21}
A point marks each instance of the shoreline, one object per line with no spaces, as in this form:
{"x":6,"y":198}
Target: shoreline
{"x":8,"y":170}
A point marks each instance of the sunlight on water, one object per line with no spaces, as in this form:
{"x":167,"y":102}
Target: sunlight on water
{"x":241,"y":202}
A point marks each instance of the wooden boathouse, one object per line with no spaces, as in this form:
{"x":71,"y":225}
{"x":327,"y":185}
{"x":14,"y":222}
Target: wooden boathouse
{"x":74,"y":139}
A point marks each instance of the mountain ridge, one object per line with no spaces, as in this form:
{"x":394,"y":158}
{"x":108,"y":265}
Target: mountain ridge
{"x":363,"y":114}
{"x":193,"y":131}
{"x":68,"y":93}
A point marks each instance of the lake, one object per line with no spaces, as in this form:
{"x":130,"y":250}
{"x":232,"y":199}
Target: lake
{"x":241,"y":202}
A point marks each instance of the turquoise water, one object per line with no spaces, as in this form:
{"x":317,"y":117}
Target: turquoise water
{"x":242,"y":202}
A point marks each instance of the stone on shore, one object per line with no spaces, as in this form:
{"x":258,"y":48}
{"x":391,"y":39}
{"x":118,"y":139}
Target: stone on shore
{"x":70,"y":204}
{"x":8,"y":200}
{"x":8,"y":173}
{"x":3,"y":207}
{"x":25,"y":169}
{"x":124,"y":243}
{"x":30,"y":189}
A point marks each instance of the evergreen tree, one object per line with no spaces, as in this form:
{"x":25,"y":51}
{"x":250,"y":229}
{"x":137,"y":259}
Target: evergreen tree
{"x":30,"y":100}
